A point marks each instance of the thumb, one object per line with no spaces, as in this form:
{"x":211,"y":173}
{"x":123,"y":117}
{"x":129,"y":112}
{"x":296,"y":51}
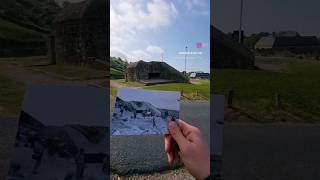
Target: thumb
{"x":177,"y":135}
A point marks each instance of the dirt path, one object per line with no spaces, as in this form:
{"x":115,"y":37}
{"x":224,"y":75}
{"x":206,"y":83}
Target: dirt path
{"x":115,"y":84}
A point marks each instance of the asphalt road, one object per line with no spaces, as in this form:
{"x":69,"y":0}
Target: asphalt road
{"x":131,"y":154}
{"x":262,"y":152}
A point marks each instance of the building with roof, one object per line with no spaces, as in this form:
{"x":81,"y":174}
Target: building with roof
{"x":288,"y":41}
{"x":153,"y":72}
{"x":199,"y":75}
{"x":81,"y":33}
{"x":228,"y":53}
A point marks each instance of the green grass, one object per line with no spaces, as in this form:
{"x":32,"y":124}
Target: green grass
{"x":116,"y":74}
{"x":11,"y":31}
{"x":117,"y":68}
{"x":199,"y":91}
{"x":255,"y":89}
{"x":11,"y":96}
{"x":113,"y":91}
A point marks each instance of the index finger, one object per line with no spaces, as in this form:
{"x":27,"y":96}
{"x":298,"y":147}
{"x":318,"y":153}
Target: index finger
{"x":167,"y":142}
{"x":185,"y":127}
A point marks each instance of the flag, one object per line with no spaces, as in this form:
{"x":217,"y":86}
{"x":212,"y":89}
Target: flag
{"x":199,"y":45}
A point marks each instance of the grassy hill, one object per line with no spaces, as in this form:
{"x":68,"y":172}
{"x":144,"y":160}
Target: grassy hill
{"x":24,"y":26}
{"x":117,"y":67}
{"x":14,"y":32}
{"x":33,"y":14}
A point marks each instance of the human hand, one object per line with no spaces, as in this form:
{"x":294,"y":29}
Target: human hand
{"x":185,"y":143}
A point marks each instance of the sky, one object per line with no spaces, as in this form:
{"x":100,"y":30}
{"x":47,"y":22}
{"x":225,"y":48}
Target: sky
{"x":151,"y":29}
{"x":268,"y":16}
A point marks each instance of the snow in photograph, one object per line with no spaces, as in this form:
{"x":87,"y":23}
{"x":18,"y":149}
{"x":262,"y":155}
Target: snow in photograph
{"x":69,"y":152}
{"x":143,"y":112}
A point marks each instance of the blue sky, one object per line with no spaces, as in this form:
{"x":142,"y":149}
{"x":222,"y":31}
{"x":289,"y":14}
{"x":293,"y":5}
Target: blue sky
{"x":148,"y":29}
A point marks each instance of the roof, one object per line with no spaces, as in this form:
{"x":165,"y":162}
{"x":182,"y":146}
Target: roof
{"x":286,"y":41}
{"x":288,"y":33}
{"x":199,"y":74}
{"x":135,"y":64}
{"x":296,"y":41}
{"x":73,"y":11}
{"x":265,"y":43}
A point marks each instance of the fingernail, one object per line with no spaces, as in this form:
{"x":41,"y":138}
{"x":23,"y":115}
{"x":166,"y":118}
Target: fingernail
{"x":172,"y":125}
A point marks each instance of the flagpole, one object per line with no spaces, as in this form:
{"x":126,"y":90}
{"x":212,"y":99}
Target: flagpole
{"x":185,"y":61}
{"x":240,"y":27}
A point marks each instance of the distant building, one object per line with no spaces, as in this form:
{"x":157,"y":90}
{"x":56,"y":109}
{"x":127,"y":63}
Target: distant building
{"x":154,"y":70}
{"x":228,"y":53}
{"x":199,"y":75}
{"x":81,"y":33}
{"x":288,"y":41}
{"x":265,"y":43}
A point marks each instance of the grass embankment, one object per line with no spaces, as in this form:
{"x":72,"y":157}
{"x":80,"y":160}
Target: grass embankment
{"x":117,"y":68}
{"x":297,"y":84}
{"x":115,"y":74}
{"x":11,"y":31}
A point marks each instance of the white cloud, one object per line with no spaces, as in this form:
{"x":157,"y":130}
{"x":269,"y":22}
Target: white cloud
{"x":118,"y":53}
{"x":154,"y":49}
{"x":130,"y":18}
{"x":139,"y":55}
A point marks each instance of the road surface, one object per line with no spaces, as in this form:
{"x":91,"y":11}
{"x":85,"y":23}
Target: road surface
{"x":264,"y":152}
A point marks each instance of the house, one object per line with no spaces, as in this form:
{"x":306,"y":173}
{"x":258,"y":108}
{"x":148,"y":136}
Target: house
{"x":81,"y":33}
{"x":288,"y":41}
{"x":153,"y":72}
{"x":199,"y":75}
{"x":228,"y":53}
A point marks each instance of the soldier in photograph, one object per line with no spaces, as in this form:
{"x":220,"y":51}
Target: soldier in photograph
{"x":153,"y":122}
{"x":37,"y":155}
{"x":134,"y":114}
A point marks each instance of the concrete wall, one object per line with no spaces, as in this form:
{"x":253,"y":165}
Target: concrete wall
{"x":142,"y":69}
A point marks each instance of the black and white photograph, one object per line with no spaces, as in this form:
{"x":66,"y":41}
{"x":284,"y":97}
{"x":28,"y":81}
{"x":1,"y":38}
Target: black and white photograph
{"x":58,"y":140}
{"x":144,"y":112}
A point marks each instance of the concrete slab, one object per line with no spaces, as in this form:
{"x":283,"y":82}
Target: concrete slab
{"x":157,"y":81}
